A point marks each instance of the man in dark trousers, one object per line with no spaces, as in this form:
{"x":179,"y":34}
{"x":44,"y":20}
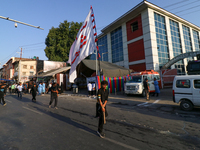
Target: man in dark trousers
{"x":146,"y":88}
{"x":2,"y":94}
{"x":34,"y":92}
{"x":54,"y":95}
{"x":102,"y":98}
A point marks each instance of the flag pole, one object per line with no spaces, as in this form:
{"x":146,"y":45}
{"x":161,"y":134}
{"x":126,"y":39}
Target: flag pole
{"x":97,"y":48}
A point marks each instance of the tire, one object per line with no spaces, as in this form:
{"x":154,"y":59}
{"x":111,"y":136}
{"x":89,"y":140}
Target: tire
{"x":143,"y":93}
{"x":186,"y":105}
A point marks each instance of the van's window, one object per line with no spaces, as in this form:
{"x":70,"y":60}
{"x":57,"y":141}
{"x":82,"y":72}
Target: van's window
{"x":183,"y":83}
{"x":135,"y":80}
{"x":157,"y":77}
{"x":149,"y":77}
{"x":197,"y":84}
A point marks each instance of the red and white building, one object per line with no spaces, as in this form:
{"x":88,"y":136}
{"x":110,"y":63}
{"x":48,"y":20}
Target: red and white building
{"x":147,"y":37}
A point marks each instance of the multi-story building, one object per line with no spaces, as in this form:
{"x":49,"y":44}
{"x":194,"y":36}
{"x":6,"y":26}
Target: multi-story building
{"x":147,"y":37}
{"x":19,"y":69}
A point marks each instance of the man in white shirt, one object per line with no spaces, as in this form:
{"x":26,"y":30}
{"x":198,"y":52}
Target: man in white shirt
{"x":20,"y":87}
{"x":89,"y":88}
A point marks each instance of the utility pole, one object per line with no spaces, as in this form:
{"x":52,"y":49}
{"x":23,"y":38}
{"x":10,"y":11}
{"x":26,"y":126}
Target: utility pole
{"x":21,"y":54}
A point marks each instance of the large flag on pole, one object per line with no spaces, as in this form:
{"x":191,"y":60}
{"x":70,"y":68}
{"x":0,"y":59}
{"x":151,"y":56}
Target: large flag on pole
{"x":83,"y":46}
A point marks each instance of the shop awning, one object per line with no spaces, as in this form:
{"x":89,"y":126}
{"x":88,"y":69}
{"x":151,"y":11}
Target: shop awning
{"x":108,"y":69}
{"x":53,"y":72}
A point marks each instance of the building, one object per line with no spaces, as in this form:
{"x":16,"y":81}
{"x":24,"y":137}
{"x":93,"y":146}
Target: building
{"x":19,"y":69}
{"x":147,"y":37}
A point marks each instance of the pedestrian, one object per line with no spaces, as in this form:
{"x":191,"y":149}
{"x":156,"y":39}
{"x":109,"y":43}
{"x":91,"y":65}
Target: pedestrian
{"x":34,"y":92}
{"x":49,"y":89}
{"x":2,"y":94}
{"x":146,"y":88}
{"x":16,"y":90}
{"x":20,"y":88}
{"x":93,"y":88}
{"x":102,"y":98}
{"x":24,"y":88}
{"x":89,"y":86}
{"x":10,"y":88}
{"x":43,"y":88}
{"x":54,"y":95}
{"x":13,"y":88}
{"x":40,"y":88}
{"x":157,"y":90}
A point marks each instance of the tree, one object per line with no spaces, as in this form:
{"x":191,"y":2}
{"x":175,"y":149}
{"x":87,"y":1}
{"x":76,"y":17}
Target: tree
{"x":59,"y":40}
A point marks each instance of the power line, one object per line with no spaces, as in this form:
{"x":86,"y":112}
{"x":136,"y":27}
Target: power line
{"x":190,"y":12}
{"x":175,"y":3}
{"x":187,"y":9}
{"x":33,"y":44}
{"x":185,"y":5}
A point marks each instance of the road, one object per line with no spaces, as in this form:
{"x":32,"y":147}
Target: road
{"x":132,"y":124}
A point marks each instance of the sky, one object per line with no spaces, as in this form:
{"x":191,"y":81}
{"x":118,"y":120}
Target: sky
{"x":50,"y":13}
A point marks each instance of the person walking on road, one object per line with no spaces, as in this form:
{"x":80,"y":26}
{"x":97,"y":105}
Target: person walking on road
{"x":12,"y":88}
{"x":89,"y":86}
{"x":20,"y":88}
{"x":2,"y":94}
{"x":102,"y":98}
{"x":43,"y":88}
{"x":40,"y":89}
{"x":93,"y":88}
{"x":157,"y":90}
{"x":54,"y":95}
{"x":146,"y":88}
{"x":34,"y":92}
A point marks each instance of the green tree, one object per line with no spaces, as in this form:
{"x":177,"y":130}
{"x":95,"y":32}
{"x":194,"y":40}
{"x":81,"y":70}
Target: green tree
{"x":59,"y":40}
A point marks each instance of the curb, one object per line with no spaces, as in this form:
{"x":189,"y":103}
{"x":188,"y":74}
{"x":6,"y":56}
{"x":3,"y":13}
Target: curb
{"x":80,"y":95}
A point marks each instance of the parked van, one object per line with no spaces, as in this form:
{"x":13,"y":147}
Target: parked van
{"x":186,"y":91}
{"x":135,"y":85}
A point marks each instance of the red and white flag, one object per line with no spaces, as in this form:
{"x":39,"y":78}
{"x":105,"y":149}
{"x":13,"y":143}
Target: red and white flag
{"x":83,"y":46}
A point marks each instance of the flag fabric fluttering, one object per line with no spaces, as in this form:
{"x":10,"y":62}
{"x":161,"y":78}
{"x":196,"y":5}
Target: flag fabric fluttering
{"x":83,"y":46}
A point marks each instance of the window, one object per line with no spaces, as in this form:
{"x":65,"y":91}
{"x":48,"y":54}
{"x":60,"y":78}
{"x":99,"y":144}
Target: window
{"x":31,"y":67}
{"x":134,"y":26}
{"x":103,"y":49}
{"x":117,"y":45}
{"x":196,"y":40}
{"x":31,"y":73}
{"x":183,"y":83}
{"x":162,"y":41}
{"x":157,"y":77}
{"x":187,"y":41}
{"x":25,"y":66}
{"x":23,"y":73}
{"x":197,"y":84}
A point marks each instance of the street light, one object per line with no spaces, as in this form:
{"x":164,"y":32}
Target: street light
{"x":103,"y":54}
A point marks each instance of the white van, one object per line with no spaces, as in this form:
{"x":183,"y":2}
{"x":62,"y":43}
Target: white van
{"x":186,"y":91}
{"x":135,"y":85}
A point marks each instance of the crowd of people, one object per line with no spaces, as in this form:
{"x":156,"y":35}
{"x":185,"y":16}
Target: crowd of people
{"x":32,"y":88}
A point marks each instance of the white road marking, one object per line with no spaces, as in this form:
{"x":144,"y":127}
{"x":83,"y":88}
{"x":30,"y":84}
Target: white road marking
{"x":7,"y":101}
{"x":32,"y":110}
{"x":113,"y":141}
{"x":152,"y":103}
{"x":143,"y":104}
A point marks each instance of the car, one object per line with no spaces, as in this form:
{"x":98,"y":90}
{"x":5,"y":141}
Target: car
{"x":186,"y":91}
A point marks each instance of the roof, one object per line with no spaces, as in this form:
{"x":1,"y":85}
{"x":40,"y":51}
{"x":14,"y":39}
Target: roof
{"x":14,"y":59}
{"x":53,"y":72}
{"x":188,"y":77}
{"x":135,"y":11}
{"x":109,"y":69}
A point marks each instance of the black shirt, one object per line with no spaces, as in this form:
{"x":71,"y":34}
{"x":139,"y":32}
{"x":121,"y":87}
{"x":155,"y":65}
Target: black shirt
{"x":54,"y":94}
{"x":146,"y":85}
{"x":103,"y":95}
{"x":34,"y":90}
{"x":2,"y":91}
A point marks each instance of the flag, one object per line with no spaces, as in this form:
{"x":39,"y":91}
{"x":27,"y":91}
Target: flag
{"x":83,"y":46}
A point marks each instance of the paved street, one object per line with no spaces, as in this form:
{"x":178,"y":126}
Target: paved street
{"x":132,"y":123}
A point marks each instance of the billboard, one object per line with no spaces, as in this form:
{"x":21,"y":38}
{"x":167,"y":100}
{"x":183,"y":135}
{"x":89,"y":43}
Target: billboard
{"x":50,"y":65}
